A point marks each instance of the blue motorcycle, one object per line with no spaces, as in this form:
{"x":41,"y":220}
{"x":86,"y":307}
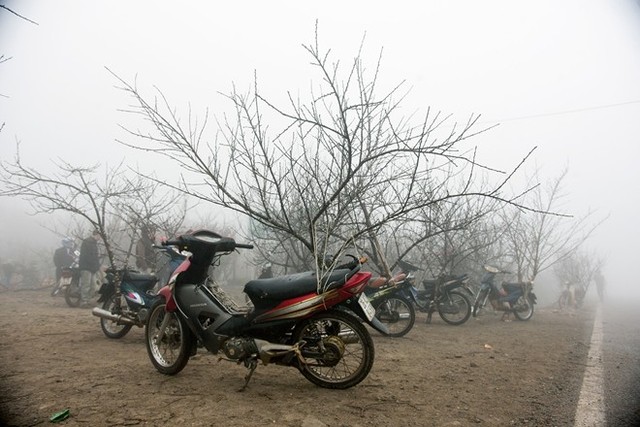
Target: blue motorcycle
{"x":448,"y":295}
{"x":127,"y":295}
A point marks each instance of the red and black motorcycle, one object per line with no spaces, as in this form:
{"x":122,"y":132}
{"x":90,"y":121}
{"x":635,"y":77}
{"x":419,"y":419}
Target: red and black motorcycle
{"x":301,"y":320}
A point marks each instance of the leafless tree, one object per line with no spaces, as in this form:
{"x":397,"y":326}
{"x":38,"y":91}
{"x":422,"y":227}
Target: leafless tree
{"x":538,"y":239}
{"x":579,"y":269}
{"x":86,"y":192}
{"x":326,"y":171}
{"x":11,"y":11}
{"x":3,"y":58}
{"x":148,"y":206}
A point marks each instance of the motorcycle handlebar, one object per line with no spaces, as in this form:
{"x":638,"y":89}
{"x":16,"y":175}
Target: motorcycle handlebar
{"x":178,"y":243}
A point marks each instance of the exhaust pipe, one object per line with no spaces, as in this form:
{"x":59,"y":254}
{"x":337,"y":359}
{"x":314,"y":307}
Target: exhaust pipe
{"x":121,"y":320}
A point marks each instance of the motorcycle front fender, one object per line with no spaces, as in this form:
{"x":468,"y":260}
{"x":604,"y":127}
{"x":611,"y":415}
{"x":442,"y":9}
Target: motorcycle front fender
{"x":378,"y":326}
{"x":166,"y":294}
{"x":354,"y":307}
{"x":105,"y":291}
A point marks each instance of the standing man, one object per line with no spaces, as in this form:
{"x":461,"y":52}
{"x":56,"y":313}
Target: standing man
{"x":62,"y":258}
{"x":89,"y":264}
{"x":145,"y":255}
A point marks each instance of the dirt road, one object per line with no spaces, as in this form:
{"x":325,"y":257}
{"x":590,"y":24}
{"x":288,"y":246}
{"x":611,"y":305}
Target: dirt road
{"x":485,"y":372}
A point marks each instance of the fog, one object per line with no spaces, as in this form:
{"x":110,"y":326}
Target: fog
{"x":562,"y":76}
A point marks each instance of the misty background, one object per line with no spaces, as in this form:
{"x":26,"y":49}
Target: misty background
{"x":562,"y":76}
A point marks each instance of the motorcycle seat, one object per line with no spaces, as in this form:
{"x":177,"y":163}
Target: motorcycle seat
{"x":514,"y":291}
{"x":142,"y":280}
{"x":293,"y":285}
{"x":379,"y":282}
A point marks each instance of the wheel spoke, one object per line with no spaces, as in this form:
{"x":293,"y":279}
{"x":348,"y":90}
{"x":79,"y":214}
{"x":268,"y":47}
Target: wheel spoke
{"x":338,"y":350}
{"x":397,"y":314}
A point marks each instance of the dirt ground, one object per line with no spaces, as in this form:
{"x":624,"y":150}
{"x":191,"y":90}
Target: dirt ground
{"x":485,"y":372}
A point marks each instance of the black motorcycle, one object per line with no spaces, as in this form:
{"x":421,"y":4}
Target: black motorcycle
{"x":70,"y":285}
{"x":447,"y":294}
{"x":127,"y":296}
{"x":392,"y":307}
{"x":302,"y":320}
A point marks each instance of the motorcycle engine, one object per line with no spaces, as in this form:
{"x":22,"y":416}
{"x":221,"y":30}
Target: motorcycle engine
{"x":239,"y":348}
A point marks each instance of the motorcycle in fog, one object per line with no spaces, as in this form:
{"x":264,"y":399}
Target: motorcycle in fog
{"x":66,"y":276}
{"x":299,"y":320}
{"x":127,"y":295}
{"x":69,"y":283}
{"x":448,"y":295}
{"x":392,"y":307}
{"x":517,"y":297}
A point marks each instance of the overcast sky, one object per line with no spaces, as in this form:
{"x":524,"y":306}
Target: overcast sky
{"x":562,"y":75}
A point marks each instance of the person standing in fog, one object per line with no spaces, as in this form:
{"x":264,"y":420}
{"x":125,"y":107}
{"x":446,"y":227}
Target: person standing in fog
{"x":62,"y":258}
{"x":89,"y":264}
{"x":600,"y":284}
{"x":145,"y":255}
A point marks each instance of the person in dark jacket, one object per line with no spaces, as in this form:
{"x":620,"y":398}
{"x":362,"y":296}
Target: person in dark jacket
{"x":89,"y":264}
{"x":63,"y":257}
{"x":145,"y":255}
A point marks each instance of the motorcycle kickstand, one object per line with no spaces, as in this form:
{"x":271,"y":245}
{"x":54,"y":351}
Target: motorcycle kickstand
{"x":252,"y":365}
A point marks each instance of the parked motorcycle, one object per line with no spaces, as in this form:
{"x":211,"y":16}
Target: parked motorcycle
{"x":298,"y":320}
{"x":517,"y":297}
{"x":127,"y":295}
{"x":392,"y":307}
{"x":70,"y":285}
{"x":448,"y":295}
{"x":572,"y":296}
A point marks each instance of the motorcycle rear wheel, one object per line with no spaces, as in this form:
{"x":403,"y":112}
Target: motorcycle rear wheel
{"x":526,"y":312}
{"x":110,"y":328}
{"x":57,"y":287}
{"x":338,"y":350}
{"x":72,"y":294}
{"x":454,"y":308}
{"x":397,"y":314}
{"x":170,"y":354}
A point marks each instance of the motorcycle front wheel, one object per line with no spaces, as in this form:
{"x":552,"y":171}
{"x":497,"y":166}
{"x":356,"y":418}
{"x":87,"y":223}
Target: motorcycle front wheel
{"x":115,"y":305}
{"x":454,"y":308}
{"x":397,"y":314}
{"x":523,"y":308}
{"x":479,"y":302}
{"x":337,"y":350}
{"x":168,"y":340}
{"x":72,"y":294}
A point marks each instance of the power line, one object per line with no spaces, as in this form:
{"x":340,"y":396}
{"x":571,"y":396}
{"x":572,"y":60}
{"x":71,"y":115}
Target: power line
{"x":559,"y":113}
